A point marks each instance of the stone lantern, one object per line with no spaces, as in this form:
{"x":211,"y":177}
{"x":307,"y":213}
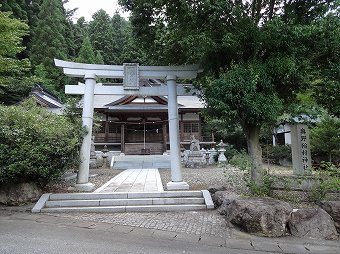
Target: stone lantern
{"x":207,"y":156}
{"x":222,"y":160}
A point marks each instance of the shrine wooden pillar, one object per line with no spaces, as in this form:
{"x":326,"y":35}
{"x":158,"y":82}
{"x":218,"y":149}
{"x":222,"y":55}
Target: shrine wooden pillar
{"x":122,"y":138}
{"x":165,"y":138}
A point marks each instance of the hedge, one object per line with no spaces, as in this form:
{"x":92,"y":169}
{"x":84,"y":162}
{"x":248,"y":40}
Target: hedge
{"x":36,"y":145}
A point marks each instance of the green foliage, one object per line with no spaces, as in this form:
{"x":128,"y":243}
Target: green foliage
{"x":326,"y":84}
{"x":36,"y":145}
{"x":226,"y":131}
{"x":86,"y":53}
{"x":327,"y":94}
{"x":133,"y":52}
{"x":259,"y":187}
{"x":79,"y":33}
{"x":241,"y":160}
{"x":230,"y":152}
{"x":246,"y":93}
{"x":14,"y":73}
{"x":262,"y":188}
{"x":50,"y":42}
{"x":18,"y":8}
{"x":329,"y":181}
{"x":325,"y":137}
{"x":278,"y":152}
{"x":102,"y":37}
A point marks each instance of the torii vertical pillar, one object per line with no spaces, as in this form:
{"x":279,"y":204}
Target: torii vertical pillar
{"x":175,"y":156}
{"x":83,"y":183}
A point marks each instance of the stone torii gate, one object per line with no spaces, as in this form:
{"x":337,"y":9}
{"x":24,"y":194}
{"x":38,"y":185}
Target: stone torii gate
{"x":131,"y":73}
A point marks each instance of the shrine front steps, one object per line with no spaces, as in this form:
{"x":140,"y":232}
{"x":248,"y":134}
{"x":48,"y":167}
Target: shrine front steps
{"x":124,"y":202}
{"x":141,"y":161}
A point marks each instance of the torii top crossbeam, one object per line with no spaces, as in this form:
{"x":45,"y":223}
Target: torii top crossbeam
{"x":117,"y":71}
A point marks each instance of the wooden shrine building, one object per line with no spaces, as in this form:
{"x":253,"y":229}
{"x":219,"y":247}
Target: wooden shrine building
{"x":135,"y":124}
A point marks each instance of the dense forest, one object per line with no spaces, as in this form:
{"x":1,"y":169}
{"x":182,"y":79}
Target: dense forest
{"x":48,"y":31}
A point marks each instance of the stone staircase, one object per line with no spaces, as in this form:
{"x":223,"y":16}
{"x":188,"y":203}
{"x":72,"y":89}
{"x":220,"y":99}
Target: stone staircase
{"x":136,"y":148}
{"x":140,"y":161}
{"x":124,"y":202}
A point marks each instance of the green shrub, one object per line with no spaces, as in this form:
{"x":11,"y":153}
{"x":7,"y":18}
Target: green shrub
{"x":277,"y":153}
{"x":230,"y":151}
{"x":36,"y":145}
{"x":262,"y":188}
{"x":241,"y":160}
{"x":329,"y":181}
{"x":325,"y":138}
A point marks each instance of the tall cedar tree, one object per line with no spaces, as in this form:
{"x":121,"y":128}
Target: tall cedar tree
{"x":86,"y":53}
{"x":49,"y":41}
{"x":132,"y":51}
{"x":80,"y":32}
{"x":102,"y":37}
{"x":120,"y":33}
{"x":256,"y":54}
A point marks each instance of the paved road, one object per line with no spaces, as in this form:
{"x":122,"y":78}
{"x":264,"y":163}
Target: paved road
{"x":39,"y":233}
{"x":26,"y":236}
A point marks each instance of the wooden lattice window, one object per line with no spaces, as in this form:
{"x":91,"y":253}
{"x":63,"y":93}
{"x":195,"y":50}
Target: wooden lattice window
{"x":191,"y":127}
{"x":114,"y":128}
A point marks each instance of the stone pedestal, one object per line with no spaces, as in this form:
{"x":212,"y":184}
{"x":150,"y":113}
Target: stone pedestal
{"x":195,"y":159}
{"x":177,"y":186}
{"x":82,"y":187}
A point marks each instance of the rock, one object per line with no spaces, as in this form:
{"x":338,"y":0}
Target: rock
{"x":3,"y":196}
{"x":213,"y":189}
{"x":93,"y":164}
{"x":23,"y":193}
{"x":312,"y":223}
{"x":222,"y":199}
{"x":333,"y":209}
{"x":260,"y":216}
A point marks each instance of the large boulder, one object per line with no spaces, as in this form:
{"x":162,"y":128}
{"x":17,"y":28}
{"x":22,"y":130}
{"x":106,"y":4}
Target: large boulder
{"x":333,"y":209}
{"x":260,"y":216}
{"x":18,"y":194}
{"x":313,"y":223}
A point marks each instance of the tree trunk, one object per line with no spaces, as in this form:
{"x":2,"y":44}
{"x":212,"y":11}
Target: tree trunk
{"x":254,"y":150}
{"x":271,"y":9}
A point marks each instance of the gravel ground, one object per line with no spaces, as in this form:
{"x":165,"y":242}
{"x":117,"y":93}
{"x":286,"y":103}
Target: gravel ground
{"x":98,"y":177}
{"x":198,"y":179}
{"x":203,"y":178}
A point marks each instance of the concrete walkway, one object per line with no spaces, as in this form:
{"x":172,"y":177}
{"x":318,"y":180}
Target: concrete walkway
{"x":134,"y":180}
